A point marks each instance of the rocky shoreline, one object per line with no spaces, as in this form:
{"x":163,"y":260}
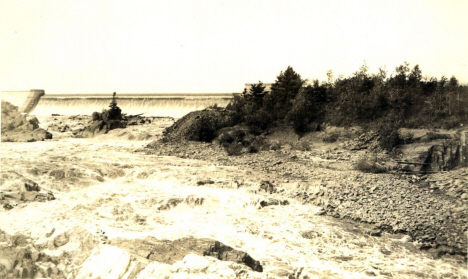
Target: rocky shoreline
{"x":431,"y":209}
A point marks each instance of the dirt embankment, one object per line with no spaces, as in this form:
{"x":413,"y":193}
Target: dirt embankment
{"x":198,"y":126}
{"x":431,"y":208}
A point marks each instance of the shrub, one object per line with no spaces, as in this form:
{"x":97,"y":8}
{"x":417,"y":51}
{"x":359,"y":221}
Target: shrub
{"x":389,"y":133}
{"x":236,"y":107}
{"x":408,"y":138}
{"x":435,"y":136}
{"x":215,"y":106}
{"x":143,"y":136}
{"x":366,"y":166}
{"x":302,"y":146}
{"x":308,"y":107}
{"x":237,"y":140}
{"x":233,"y":149}
{"x":275,"y":145}
{"x":258,"y":121}
{"x":259,"y":143}
{"x":96,"y":116}
{"x":232,"y":134}
{"x":331,"y":137}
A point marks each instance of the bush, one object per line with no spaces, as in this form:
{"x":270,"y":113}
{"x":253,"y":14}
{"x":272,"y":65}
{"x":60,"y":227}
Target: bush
{"x":435,"y":136}
{"x":258,"y":121}
{"x":233,"y":149}
{"x":236,"y":107}
{"x":215,"y":107}
{"x":238,"y":140}
{"x":302,"y":146}
{"x":366,"y":166}
{"x":96,"y":116}
{"x":331,"y":137}
{"x":308,"y":107}
{"x":389,"y":133}
{"x":143,"y":136}
{"x":275,"y":145}
{"x":407,"y":139}
{"x":259,"y":143}
{"x":232,"y":134}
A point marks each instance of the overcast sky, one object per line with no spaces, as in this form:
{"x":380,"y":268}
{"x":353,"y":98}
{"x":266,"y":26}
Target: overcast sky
{"x":217,"y":46}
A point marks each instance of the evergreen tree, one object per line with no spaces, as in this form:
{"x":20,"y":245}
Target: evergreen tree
{"x":256,"y":94}
{"x":283,"y":91}
{"x":308,"y":107}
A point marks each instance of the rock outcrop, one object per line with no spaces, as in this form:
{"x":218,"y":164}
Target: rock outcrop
{"x":19,"y":127}
{"x":102,"y":123}
{"x":169,"y":252}
{"x":56,"y":255}
{"x":445,"y":157}
{"x":18,"y":189}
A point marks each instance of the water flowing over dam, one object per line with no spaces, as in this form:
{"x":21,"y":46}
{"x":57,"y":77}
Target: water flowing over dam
{"x":158,"y":104}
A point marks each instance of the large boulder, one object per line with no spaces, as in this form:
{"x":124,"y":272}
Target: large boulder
{"x":198,"y":126}
{"x":40,"y":134}
{"x":97,"y":127}
{"x":170,"y":252}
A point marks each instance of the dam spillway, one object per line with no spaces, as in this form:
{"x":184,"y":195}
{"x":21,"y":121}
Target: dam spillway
{"x":150,"y":104}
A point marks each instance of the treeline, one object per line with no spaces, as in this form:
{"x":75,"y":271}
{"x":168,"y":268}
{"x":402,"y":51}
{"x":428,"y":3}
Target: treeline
{"x":403,"y":99}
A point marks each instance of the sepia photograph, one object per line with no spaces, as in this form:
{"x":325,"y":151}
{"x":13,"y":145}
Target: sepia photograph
{"x":234,"y":139}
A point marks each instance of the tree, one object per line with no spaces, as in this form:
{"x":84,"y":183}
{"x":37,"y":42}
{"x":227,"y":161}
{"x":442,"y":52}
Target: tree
{"x":283,"y":91}
{"x":454,"y":95}
{"x":256,"y":94}
{"x":308,"y":107}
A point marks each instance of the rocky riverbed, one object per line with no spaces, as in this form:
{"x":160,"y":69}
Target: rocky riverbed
{"x":123,"y":210}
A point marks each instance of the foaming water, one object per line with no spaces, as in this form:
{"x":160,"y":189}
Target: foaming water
{"x":150,"y":107}
{"x":149,"y":104}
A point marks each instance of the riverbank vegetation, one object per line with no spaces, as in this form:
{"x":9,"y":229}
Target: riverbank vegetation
{"x":378,"y":101}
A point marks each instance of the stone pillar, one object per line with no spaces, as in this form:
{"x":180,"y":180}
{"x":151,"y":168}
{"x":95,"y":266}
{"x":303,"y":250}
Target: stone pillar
{"x":31,"y":102}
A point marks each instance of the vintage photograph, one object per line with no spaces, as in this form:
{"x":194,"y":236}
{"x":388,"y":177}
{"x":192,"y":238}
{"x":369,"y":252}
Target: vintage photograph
{"x":233,"y":139}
